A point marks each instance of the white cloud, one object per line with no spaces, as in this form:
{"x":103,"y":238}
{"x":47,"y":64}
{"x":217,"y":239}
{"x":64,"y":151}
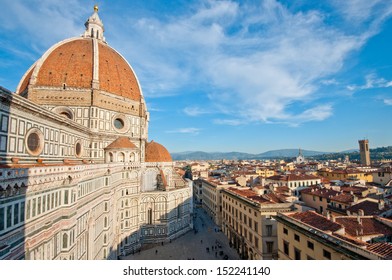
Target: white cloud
{"x":189,"y":130}
{"x":255,"y":58}
{"x":361,"y":10}
{"x":317,"y":113}
{"x":329,"y":82}
{"x":153,"y":108}
{"x":258,"y":59}
{"x":44,"y":22}
{"x":388,"y":102}
{"x":231,"y":122}
{"x":372,"y":81}
{"x":195,"y":111}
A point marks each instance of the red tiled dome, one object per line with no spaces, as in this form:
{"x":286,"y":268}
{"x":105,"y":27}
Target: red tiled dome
{"x":155,"y":152}
{"x":71,"y":63}
{"x":121,"y":143}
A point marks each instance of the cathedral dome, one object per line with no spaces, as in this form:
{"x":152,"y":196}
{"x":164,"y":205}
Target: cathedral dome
{"x":85,"y":63}
{"x":155,"y":152}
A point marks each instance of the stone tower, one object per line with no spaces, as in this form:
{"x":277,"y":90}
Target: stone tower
{"x":364,"y":152}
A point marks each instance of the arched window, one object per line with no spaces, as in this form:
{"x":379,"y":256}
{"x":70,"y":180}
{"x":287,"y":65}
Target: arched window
{"x":121,"y":157}
{"x":65,"y":240}
{"x":132,"y":157}
{"x":110,"y":157}
{"x":92,"y":33}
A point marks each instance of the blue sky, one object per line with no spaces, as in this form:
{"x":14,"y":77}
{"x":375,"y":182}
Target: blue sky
{"x":246,"y":76}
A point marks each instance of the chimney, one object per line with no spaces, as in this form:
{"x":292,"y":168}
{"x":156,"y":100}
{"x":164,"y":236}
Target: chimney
{"x":359,"y":220}
{"x":328,"y":215}
{"x":381,"y":204}
{"x":361,"y":212}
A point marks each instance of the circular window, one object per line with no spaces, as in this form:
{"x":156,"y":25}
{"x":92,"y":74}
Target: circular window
{"x":64,"y":112}
{"x":66,"y":115}
{"x":78,"y":149}
{"x":34,"y":141}
{"x":119,"y":123}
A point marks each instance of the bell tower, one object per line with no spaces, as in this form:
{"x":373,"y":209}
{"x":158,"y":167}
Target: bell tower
{"x":364,"y":152}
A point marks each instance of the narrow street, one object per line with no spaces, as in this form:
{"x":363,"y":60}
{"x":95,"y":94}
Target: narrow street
{"x":206,"y":242}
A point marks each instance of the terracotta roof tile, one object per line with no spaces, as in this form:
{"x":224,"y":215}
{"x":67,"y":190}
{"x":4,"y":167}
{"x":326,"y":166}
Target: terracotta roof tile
{"x":293,"y":177}
{"x":316,"y":220}
{"x":343,"y":198}
{"x":121,"y":143}
{"x":247,"y":193}
{"x":383,"y":249}
{"x":273,"y":197}
{"x":320,"y":192}
{"x":70,"y":63}
{"x":155,"y":152}
{"x":350,"y":239}
{"x":282,"y":189}
{"x":354,"y":189}
{"x":363,"y":226}
{"x":369,"y":208}
{"x":115,"y":75}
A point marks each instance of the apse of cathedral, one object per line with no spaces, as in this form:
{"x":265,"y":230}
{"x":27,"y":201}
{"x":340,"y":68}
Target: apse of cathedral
{"x":78,"y":177}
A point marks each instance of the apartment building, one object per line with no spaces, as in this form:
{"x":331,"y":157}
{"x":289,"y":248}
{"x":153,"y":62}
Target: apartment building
{"x":346,"y":174}
{"x":248,"y":221}
{"x":295,"y":182}
{"x":311,"y":236}
{"x":212,"y":198}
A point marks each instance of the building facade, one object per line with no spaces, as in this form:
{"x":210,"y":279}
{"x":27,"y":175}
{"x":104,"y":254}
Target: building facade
{"x":311,"y":236}
{"x":294,"y":182}
{"x":248,"y":221}
{"x":346,"y":174}
{"x":212,"y":198}
{"x":78,"y":177}
{"x":383,"y":176}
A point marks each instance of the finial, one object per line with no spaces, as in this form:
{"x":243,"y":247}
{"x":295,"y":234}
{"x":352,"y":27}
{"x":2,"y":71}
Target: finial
{"x":94,"y":26}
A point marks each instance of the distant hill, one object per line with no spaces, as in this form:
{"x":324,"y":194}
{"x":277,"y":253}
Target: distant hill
{"x":198,"y":155}
{"x":283,"y":153}
{"x":375,"y":154}
{"x":349,"y":151}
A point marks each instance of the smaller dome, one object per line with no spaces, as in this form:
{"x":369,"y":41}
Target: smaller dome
{"x":121,"y":143}
{"x":155,"y":152}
